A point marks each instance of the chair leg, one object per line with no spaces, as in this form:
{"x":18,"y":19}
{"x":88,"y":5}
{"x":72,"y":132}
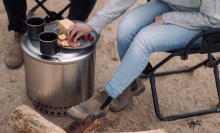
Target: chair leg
{"x":30,"y":13}
{"x":175,"y":117}
{"x":176,"y":71}
{"x":216,"y":72}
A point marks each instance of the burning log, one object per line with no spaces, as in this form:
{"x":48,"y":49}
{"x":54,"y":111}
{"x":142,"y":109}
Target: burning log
{"x":77,"y":127}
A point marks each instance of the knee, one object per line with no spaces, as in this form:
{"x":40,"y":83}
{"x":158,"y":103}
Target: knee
{"x":144,"y":41}
{"x":126,"y":28}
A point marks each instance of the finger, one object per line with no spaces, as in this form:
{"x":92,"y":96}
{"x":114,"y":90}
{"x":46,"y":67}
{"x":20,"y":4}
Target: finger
{"x":73,"y":33}
{"x":152,"y":23}
{"x":77,"y":36}
{"x":70,"y":30}
{"x":69,"y":33}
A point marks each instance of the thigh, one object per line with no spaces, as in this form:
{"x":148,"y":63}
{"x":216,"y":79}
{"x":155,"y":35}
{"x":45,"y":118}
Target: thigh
{"x":164,"y":38}
{"x":79,"y":10}
{"x":140,"y":17}
{"x":16,"y":11}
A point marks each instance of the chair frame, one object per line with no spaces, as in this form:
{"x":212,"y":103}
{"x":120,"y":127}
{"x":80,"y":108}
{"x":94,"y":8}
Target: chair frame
{"x":51,"y":16}
{"x":210,"y":62}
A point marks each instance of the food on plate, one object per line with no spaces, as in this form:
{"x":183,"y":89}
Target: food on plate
{"x":85,"y":37}
{"x":73,"y":44}
{"x":64,"y":25}
{"x":65,"y":43}
{"x":59,"y":41}
{"x":62,"y":37}
{"x":91,"y":38}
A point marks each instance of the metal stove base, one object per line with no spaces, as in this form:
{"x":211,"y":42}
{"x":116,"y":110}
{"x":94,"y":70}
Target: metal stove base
{"x":50,"y":110}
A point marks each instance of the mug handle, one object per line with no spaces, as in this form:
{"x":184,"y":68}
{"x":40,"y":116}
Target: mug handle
{"x":59,"y":50}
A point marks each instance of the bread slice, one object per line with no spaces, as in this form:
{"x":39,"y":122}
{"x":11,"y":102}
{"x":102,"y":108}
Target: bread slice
{"x":65,"y":24}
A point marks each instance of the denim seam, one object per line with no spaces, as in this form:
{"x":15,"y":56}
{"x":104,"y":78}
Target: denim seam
{"x":172,"y":44}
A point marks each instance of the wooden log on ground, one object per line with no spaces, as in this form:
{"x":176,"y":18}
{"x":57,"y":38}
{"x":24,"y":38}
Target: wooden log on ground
{"x":24,"y":119}
{"x":92,"y":127}
{"x":151,"y":131}
{"x":79,"y":128}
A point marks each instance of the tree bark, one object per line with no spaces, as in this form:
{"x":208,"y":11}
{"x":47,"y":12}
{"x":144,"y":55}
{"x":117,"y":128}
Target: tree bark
{"x":24,"y":119}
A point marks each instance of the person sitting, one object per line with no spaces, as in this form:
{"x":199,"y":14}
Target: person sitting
{"x":16,"y":11}
{"x":156,"y":26}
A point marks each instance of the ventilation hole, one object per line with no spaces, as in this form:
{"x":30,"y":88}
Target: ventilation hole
{"x":69,"y":106}
{"x":38,"y":103}
{"x":51,"y":107}
{"x":34,"y":101}
{"x":36,"y":106}
{"x":64,"y":113}
{"x":42,"y":105}
{"x":83,"y":123}
{"x":64,"y":107}
{"x":31,"y":99}
{"x":46,"y":106}
{"x":33,"y":104}
{"x":41,"y":109}
{"x":58,"y":114}
{"x":60,"y":107}
{"x":46,"y":111}
{"x":55,"y":107}
{"x":52,"y":113}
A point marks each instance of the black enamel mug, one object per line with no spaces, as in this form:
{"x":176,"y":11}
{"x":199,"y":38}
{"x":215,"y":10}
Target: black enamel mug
{"x":35,"y":25}
{"x":48,"y":43}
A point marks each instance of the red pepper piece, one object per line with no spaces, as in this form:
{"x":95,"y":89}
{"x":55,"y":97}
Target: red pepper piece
{"x":85,"y":37}
{"x":91,"y":38}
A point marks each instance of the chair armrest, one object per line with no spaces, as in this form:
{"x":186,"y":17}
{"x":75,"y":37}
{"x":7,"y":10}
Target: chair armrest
{"x":203,"y":33}
{"x":211,"y":31}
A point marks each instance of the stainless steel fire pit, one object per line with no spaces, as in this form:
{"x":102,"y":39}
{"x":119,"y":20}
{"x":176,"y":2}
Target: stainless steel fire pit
{"x":56,"y":83}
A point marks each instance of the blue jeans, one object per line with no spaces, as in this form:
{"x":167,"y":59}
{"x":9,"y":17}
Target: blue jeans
{"x":137,"y":40}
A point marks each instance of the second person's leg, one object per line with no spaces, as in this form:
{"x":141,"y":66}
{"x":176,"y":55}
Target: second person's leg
{"x":80,"y":9}
{"x":16,"y":11}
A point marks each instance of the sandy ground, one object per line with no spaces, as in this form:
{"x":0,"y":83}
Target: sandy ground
{"x":177,"y":93}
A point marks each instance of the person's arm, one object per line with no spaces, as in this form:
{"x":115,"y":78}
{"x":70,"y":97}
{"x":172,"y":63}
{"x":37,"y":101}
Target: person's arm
{"x":112,"y":10}
{"x":209,"y":16}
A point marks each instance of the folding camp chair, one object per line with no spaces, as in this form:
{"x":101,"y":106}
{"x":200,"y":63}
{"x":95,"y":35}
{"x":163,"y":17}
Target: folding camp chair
{"x":51,"y":15}
{"x":210,"y":44}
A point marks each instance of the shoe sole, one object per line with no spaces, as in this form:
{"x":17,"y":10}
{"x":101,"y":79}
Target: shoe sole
{"x":81,"y":120}
{"x":15,"y":67}
{"x":136,"y":94}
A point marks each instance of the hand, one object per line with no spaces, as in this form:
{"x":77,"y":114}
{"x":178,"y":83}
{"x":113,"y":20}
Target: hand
{"x":158,"y":20}
{"x":81,"y":28}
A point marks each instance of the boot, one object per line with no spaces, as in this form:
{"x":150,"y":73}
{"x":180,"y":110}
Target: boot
{"x":91,"y":106}
{"x":15,"y":56}
{"x":121,"y":102}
